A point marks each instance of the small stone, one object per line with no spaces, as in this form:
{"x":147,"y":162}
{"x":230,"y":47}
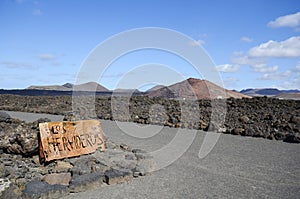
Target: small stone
{"x":271,"y":137}
{"x":295,"y":120}
{"x":86,"y":181}
{"x":140,"y":156}
{"x":203,"y":125}
{"x":3,"y":171}
{"x":292,"y":138}
{"x":40,"y":189}
{"x":28,"y":176}
{"x":244,"y":119}
{"x":279,"y":136}
{"x":145,"y":166}
{"x":116,"y":177}
{"x":124,"y":147}
{"x":8,"y":163}
{"x":21,"y":182}
{"x":57,"y":178}
{"x":222,"y":130}
{"x":36,"y":159}
{"x":177,"y":125}
{"x":99,"y":167}
{"x":136,"y":174}
{"x":62,"y":166}
{"x":138,"y":151}
{"x":82,"y":165}
{"x":4,"y":184}
{"x":238,"y":131}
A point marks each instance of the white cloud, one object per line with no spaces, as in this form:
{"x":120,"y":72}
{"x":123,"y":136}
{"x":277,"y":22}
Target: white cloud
{"x":47,"y":57}
{"x":264,"y":69}
{"x":291,"y":20}
{"x":298,"y":67}
{"x":296,"y":70}
{"x":244,"y":59}
{"x":37,"y":12}
{"x":197,"y":43}
{"x":256,"y":64}
{"x":276,"y":76}
{"x":228,"y":68}
{"x":246,"y":39}
{"x":280,"y":49}
{"x":9,"y":64}
{"x":289,"y":79}
{"x":290,"y":84}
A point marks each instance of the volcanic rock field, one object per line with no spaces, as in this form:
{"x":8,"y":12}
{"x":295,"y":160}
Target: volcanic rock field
{"x":262,"y":117}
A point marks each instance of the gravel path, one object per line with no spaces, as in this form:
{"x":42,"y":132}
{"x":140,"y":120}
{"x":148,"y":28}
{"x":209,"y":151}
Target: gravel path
{"x":237,"y":167}
{"x":31,"y":117}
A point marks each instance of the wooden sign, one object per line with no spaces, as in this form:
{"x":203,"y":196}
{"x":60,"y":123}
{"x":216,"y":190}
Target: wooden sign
{"x":67,"y":139}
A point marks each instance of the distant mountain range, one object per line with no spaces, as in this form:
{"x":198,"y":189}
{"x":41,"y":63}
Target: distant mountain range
{"x":270,"y":92}
{"x":189,"y":89}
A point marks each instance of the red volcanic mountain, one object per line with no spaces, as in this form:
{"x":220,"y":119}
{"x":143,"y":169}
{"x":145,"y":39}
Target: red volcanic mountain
{"x":194,"y":89}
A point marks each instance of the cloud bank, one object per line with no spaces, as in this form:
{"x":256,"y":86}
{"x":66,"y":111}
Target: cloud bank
{"x":280,"y":49}
{"x":291,"y":20}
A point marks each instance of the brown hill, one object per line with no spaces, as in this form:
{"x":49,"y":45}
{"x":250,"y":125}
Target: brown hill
{"x":195,"y":88}
{"x":50,"y":87}
{"x":125,"y":90}
{"x":90,"y":86}
{"x":293,"y":96}
{"x":155,"y":88}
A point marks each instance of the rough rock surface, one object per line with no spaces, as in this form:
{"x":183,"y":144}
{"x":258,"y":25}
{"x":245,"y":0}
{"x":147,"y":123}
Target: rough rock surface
{"x":18,"y":137}
{"x":57,"y":178}
{"x":258,"y":117}
{"x":22,"y":175}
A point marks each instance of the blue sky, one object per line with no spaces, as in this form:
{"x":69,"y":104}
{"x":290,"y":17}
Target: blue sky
{"x":254,"y":44}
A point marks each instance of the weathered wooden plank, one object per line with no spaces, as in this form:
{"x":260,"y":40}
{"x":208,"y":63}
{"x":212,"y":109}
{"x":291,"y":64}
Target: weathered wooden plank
{"x":67,"y":139}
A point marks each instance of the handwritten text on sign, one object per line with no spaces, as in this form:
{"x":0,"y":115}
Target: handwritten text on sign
{"x":67,"y":139}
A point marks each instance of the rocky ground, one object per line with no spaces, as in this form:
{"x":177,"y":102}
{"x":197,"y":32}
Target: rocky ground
{"x":23,"y":176}
{"x":258,"y":117}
